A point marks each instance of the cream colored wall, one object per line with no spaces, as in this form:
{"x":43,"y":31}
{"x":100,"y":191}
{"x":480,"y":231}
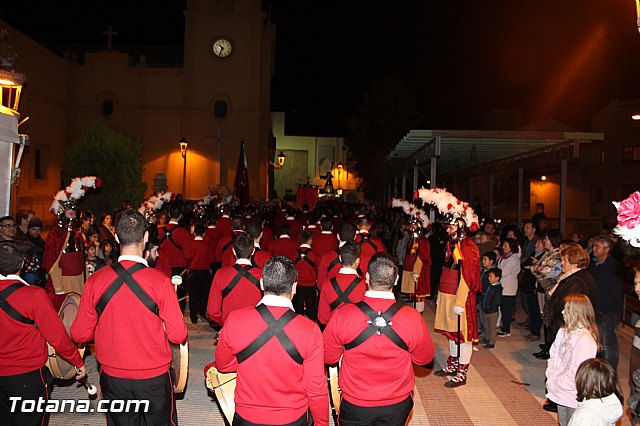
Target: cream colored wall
{"x":158,"y":105}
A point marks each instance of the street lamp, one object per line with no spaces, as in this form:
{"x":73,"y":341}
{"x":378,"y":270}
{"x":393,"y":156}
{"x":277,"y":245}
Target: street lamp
{"x":184,"y":144}
{"x":281,"y":159}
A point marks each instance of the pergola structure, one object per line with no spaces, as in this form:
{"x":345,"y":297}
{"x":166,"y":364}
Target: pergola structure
{"x":466,"y":153}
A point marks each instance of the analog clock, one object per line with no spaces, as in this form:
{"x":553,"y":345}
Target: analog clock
{"x":222,"y":47}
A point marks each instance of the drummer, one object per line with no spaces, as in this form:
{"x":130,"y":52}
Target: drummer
{"x":130,"y":339}
{"x":281,"y":384}
{"x":27,"y":321}
{"x":377,"y":389}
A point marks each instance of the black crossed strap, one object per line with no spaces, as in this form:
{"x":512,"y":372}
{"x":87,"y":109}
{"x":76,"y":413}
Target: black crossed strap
{"x":274,"y":328}
{"x":379,"y":323}
{"x":302,"y":256}
{"x":343,"y":297}
{"x":125,"y":276}
{"x":242,"y":273}
{"x":10,"y":310}
{"x":367,"y":239}
{"x":168,"y":235}
{"x":335,"y":261}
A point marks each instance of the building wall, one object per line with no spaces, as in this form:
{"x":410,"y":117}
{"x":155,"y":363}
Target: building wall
{"x":157,"y":105}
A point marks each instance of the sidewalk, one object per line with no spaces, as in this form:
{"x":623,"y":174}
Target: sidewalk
{"x":505,"y":385}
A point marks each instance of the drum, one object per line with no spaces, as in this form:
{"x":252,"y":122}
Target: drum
{"x":180,"y":365}
{"x":223,"y":385}
{"x":59,"y":367}
{"x":335,"y":393}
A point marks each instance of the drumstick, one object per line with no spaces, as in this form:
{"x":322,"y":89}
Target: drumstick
{"x":91,"y":390}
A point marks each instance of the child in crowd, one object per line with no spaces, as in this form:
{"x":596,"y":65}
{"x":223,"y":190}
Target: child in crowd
{"x":488,"y":262}
{"x":92,"y":261}
{"x":490,"y":304}
{"x":599,"y":396}
{"x":109,"y":253}
{"x":575,"y":343}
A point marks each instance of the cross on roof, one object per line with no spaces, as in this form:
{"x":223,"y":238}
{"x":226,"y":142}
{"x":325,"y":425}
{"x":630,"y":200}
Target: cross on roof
{"x":109,"y":33}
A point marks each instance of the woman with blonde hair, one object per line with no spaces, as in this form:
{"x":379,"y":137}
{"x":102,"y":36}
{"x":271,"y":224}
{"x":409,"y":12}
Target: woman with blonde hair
{"x":575,"y":342}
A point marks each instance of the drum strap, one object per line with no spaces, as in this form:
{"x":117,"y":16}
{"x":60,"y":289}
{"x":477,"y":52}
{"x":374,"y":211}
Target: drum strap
{"x":226,"y":246}
{"x":125,"y":276}
{"x":168,"y":235}
{"x":10,"y":310}
{"x":343,"y":297}
{"x":367,"y":239}
{"x":302,"y":255}
{"x":379,"y":323}
{"x":242,"y":273}
{"x":274,"y":328}
{"x":335,"y":261}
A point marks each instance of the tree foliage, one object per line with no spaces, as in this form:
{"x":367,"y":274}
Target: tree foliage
{"x":387,"y":115}
{"x":113,"y":157}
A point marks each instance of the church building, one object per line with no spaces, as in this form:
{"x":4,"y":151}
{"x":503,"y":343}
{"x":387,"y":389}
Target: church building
{"x":218,"y":97}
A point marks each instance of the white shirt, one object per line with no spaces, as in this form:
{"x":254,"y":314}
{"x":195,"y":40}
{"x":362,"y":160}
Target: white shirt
{"x":133,"y":258}
{"x":305,"y":246}
{"x":243,"y":262}
{"x":198,"y":238}
{"x":377,"y":294}
{"x":348,"y":271}
{"x":14,"y":278}
{"x":273,"y":300}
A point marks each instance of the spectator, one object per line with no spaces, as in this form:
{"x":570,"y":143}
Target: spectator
{"x":609,"y":276}
{"x":510,"y":265}
{"x":599,"y":395}
{"x":32,"y":271}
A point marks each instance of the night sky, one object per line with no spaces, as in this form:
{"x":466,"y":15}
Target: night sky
{"x":560,"y":59}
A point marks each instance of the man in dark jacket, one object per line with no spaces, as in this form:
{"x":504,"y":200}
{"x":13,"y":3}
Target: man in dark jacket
{"x":609,"y":276}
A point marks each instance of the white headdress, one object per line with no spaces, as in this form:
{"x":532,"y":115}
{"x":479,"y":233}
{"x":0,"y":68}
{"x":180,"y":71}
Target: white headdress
{"x":411,"y":210}
{"x":155,"y":202}
{"x":448,"y":204}
{"x":68,"y":197}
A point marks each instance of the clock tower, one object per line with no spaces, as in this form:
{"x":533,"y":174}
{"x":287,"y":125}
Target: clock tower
{"x":228,"y":64}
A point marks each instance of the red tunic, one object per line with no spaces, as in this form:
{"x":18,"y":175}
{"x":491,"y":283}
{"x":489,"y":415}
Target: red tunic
{"x":162,"y":264}
{"x":307,"y":269}
{"x":178,"y":257}
{"x":324,"y":270}
{"x":284,"y":246}
{"x":328,"y":295}
{"x":267,"y":238}
{"x":260,"y":257}
{"x":424,"y":281}
{"x":323,"y":243}
{"x":213,"y":235}
{"x":296,"y":228}
{"x":271,"y":386}
{"x":224,"y":225}
{"x":244,"y":294}
{"x":201,"y":255}
{"x":71,"y":264}
{"x":131,"y":341}
{"x":314,"y":229}
{"x":23,"y":348}
{"x":368,"y":379}
{"x":368,"y":247}
{"x":224,"y":245}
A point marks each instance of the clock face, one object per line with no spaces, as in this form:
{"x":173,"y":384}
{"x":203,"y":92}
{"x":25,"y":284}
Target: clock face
{"x":222,"y":48}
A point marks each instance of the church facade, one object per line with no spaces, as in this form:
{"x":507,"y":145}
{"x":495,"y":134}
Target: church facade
{"x":217,"y":98}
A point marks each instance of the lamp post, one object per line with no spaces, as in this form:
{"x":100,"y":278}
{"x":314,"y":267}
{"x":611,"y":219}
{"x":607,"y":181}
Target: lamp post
{"x":184,"y":144}
{"x":281,"y":159}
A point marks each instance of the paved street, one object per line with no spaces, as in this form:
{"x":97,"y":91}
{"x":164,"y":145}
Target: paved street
{"x":505,"y":386}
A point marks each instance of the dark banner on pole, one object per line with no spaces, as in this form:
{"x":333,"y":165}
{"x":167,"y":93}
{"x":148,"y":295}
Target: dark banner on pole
{"x":241,"y":184}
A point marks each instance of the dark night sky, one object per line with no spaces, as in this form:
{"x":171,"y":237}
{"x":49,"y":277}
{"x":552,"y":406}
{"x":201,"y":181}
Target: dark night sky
{"x":562,"y":59}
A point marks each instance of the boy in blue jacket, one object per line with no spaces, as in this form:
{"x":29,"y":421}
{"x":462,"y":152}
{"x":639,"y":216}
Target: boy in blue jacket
{"x":490,"y":304}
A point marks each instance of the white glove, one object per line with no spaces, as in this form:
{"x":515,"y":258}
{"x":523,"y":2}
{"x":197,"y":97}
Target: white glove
{"x":458,"y":310}
{"x":416,"y":276}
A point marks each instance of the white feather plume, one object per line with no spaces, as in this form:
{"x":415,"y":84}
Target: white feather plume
{"x":411,"y":210}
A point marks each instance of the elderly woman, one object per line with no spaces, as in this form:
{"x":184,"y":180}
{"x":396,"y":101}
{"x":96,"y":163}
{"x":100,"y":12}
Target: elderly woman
{"x":575,"y":280}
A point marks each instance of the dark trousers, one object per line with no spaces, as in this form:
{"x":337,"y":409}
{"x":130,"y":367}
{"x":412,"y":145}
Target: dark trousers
{"x":387,"y":415}
{"x":535,"y":319}
{"x":607,"y":324}
{"x":199,"y":285}
{"x":183,"y":288}
{"x":305,"y":301}
{"x":507,"y":307}
{"x":32,"y":386}
{"x":305,"y":420}
{"x":157,"y":390}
